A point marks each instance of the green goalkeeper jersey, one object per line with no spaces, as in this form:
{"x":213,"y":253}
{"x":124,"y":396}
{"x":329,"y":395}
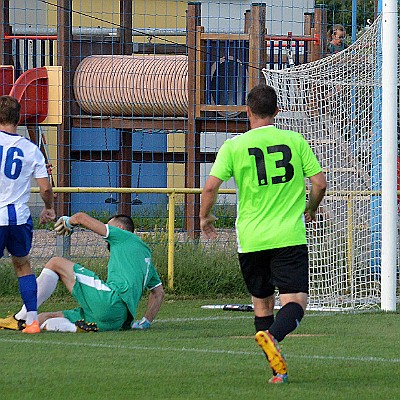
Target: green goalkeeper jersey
{"x":269,"y":166}
{"x":130,"y":267}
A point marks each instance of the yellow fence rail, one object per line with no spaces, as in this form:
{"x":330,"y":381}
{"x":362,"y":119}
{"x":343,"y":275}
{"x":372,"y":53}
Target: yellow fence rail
{"x":171,"y":210}
{"x":171,"y":192}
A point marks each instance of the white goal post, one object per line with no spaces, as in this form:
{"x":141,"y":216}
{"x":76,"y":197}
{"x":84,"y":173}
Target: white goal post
{"x":338,"y":103}
{"x":389,"y":152}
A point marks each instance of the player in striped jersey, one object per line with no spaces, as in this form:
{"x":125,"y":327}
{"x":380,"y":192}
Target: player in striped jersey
{"x":20,"y":161}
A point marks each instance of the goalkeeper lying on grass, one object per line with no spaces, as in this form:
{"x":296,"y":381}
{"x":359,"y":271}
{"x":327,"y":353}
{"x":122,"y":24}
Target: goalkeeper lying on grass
{"x":103,"y":306}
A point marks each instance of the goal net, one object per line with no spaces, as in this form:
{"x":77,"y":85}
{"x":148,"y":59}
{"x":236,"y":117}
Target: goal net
{"x":335,"y":103}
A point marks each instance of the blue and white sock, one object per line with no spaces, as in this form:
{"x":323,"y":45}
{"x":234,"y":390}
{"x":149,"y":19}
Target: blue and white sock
{"x":46,"y":284}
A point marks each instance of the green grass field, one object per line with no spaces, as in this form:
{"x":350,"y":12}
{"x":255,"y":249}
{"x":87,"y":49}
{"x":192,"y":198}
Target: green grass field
{"x":192,"y":353}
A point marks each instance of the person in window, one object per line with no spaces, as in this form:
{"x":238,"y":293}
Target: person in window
{"x":20,"y":161}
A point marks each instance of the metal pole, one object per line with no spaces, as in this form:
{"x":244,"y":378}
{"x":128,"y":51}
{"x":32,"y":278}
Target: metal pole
{"x":171,"y":239}
{"x":389,"y":154}
{"x":353,"y":21}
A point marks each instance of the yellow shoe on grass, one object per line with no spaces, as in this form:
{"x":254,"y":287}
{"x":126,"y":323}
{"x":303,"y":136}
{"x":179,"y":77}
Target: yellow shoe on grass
{"x":12,"y":323}
{"x":271,"y":349}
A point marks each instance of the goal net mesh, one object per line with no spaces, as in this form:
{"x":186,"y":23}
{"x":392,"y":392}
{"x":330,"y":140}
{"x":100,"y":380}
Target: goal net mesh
{"x":335,"y":103}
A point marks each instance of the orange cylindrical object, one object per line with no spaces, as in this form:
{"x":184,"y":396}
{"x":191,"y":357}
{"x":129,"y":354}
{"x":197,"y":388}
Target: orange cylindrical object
{"x":136,"y":85}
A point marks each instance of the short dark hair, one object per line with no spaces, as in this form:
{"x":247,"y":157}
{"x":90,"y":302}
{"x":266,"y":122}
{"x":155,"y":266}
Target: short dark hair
{"x":125,"y":220}
{"x":9,"y":110}
{"x":262,"y":101}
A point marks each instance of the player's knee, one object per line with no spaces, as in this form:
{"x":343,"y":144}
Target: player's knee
{"x":56,"y":263}
{"x":22,"y":265}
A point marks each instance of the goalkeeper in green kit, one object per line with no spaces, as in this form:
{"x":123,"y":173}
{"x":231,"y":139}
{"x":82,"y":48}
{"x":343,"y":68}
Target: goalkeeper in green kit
{"x":269,"y":166}
{"x":103,"y":306}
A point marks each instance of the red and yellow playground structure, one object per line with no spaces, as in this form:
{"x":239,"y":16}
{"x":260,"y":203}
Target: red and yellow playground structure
{"x":122,"y":109}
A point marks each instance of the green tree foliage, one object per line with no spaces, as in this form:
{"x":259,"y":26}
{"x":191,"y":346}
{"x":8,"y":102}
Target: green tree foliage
{"x":340,"y":12}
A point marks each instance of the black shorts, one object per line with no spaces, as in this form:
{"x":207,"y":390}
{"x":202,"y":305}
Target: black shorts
{"x":285,"y":268}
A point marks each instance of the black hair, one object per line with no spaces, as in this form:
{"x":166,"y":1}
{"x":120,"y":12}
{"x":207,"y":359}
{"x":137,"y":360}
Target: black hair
{"x":262,"y":101}
{"x":125,"y":220}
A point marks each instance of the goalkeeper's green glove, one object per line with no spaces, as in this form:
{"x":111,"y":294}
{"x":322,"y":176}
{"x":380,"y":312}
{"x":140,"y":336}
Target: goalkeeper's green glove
{"x":144,"y":323}
{"x":63,"y":226}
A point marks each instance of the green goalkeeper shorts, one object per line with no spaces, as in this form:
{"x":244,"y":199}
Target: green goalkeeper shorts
{"x":98,"y":303}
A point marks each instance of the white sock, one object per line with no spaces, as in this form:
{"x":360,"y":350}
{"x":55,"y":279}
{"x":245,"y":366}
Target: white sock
{"x":30,"y":317}
{"x":46,"y":284}
{"x":59,"y":324}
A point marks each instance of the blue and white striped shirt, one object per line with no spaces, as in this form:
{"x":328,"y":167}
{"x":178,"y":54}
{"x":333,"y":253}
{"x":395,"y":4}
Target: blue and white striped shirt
{"x":20,"y":161}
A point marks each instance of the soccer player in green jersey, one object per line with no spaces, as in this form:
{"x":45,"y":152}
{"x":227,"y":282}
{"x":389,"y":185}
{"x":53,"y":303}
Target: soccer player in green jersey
{"x":109,"y":305}
{"x":269,"y":166}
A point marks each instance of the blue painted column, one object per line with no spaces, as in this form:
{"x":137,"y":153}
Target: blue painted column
{"x":376,"y":169}
{"x":353,"y":21}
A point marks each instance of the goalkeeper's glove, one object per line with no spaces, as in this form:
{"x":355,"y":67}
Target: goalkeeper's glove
{"x":144,"y":323}
{"x":63,"y":226}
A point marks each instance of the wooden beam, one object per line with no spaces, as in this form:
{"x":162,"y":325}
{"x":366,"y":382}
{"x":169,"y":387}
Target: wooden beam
{"x":247,"y":21}
{"x":320,"y":29}
{"x":257,"y":50}
{"x":129,"y":123}
{"x":5,"y":29}
{"x":222,"y":108}
{"x":64,"y":33}
{"x":125,"y":171}
{"x":225,"y":36}
{"x":192,"y":137}
{"x":200,"y":70}
{"x":125,"y":7}
{"x":308,"y":21}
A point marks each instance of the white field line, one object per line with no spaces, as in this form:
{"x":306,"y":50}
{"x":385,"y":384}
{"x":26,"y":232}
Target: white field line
{"x":169,"y":320}
{"x":194,"y":350}
{"x":232,"y":315}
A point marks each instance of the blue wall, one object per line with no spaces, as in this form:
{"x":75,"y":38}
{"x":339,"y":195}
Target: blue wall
{"x":151,"y":175}
{"x":94,"y":139}
{"x":93,"y":174}
{"x":106,"y":173}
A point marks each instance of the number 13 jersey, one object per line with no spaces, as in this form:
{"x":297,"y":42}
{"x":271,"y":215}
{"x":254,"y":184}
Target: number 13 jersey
{"x":269,"y":166}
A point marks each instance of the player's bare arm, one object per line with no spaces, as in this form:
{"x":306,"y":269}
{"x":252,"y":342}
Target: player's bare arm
{"x":88,"y":222}
{"x":153,"y":306}
{"x":318,"y":188}
{"x":46,"y":192}
{"x":208,"y":199}
{"x":154,"y":302}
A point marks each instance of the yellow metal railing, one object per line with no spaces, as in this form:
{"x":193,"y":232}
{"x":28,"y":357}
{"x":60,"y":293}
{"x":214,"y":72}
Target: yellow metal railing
{"x":346,"y":195}
{"x":171,"y":210}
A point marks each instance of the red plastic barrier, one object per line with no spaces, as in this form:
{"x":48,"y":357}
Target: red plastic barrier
{"x":32,"y":91}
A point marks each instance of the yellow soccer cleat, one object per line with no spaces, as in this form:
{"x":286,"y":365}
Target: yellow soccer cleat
{"x":12,"y":323}
{"x":271,"y":349}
